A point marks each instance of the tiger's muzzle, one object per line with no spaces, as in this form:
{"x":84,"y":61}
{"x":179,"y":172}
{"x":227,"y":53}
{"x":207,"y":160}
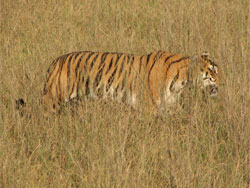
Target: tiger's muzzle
{"x":213,"y":90}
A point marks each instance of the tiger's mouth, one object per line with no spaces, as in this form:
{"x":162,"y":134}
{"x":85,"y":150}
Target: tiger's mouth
{"x":213,"y":91}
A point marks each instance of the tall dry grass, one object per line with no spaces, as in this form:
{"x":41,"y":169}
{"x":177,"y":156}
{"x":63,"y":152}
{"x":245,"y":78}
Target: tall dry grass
{"x":107,"y":144}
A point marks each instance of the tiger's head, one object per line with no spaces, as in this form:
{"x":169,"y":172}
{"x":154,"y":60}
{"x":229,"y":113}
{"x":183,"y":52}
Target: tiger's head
{"x":207,"y":73}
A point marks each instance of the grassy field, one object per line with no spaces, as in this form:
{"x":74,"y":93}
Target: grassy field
{"x":206,"y":144}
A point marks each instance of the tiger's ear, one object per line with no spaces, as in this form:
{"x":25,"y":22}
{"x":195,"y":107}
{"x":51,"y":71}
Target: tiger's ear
{"x":205,"y":55}
{"x":196,"y":60}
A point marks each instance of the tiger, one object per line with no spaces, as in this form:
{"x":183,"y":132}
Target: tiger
{"x":158,"y":78}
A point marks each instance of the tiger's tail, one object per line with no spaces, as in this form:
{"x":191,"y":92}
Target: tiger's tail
{"x":20,"y":104}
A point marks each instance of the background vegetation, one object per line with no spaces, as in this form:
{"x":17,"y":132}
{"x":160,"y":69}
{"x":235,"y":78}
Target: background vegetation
{"x":107,"y":144}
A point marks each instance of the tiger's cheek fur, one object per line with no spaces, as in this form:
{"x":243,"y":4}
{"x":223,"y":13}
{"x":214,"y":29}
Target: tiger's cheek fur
{"x":210,"y":81}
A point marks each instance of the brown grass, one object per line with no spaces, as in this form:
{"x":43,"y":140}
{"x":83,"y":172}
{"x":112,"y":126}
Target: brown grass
{"x":109,"y":145}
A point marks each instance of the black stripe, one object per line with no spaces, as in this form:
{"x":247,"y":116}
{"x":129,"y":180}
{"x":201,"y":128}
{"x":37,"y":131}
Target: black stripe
{"x":211,"y":62}
{"x":110,"y":65}
{"x":130,"y":65}
{"x":176,"y":61}
{"x":98,"y":77}
{"x":149,"y":55}
{"x":117,"y":59}
{"x":90,"y":55}
{"x":92,"y":63}
{"x":64,"y":58}
{"x":111,"y":79}
{"x":78,"y":62}
{"x":103,"y":59}
{"x":76,"y":55}
{"x":87,"y":91}
{"x":168,"y":58}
